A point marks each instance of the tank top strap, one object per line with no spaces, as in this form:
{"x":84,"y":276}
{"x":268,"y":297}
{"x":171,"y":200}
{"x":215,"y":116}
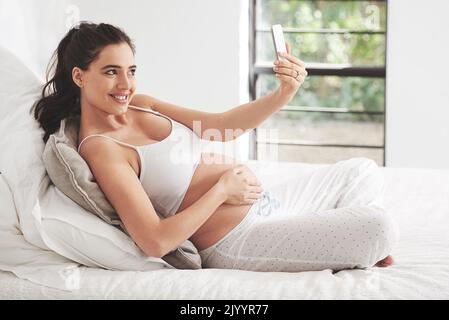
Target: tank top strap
{"x":151,"y":111}
{"x":102,"y":135}
{"x":143,"y":109}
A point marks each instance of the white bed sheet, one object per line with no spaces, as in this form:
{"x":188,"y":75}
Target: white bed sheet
{"x":418,"y":199}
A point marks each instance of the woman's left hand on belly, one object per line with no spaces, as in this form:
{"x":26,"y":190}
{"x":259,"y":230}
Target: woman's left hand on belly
{"x":240,"y":187}
{"x":250,"y":176}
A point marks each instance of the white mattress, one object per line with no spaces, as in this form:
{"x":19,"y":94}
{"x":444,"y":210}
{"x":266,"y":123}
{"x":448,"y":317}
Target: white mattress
{"x":418,"y":199}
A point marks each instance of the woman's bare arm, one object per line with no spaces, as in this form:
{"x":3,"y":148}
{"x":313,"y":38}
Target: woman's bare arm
{"x":181,"y":226}
{"x":227,"y":125}
{"x":200,"y":122}
{"x":291,"y":72}
{"x":250,"y":115}
{"x":121,"y":186}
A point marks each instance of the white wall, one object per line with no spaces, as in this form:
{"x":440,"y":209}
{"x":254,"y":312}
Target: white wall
{"x":192,"y":53}
{"x":32,"y":29}
{"x":417,"y":106}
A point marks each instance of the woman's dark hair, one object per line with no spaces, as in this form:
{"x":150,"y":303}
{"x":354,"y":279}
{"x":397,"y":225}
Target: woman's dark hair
{"x":60,"y":95}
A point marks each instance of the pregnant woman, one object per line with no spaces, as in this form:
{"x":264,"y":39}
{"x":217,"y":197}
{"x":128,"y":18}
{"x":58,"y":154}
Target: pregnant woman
{"x":146,"y":157}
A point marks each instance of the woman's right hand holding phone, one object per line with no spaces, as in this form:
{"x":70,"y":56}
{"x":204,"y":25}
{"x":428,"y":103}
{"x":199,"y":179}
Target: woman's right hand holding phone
{"x":240,"y":188}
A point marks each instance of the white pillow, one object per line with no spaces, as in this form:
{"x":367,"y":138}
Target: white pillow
{"x":22,"y":250}
{"x":83,"y":237}
{"x":25,"y":260}
{"x":48,"y":227}
{"x":20,"y":139}
{"x":8,"y":217}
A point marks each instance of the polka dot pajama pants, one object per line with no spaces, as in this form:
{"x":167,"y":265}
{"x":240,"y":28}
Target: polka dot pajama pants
{"x":331,"y":217}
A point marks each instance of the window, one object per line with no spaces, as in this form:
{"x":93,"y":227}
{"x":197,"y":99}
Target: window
{"x":339,"y":112}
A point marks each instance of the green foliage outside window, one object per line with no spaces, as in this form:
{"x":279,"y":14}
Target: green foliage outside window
{"x":352,"y":47}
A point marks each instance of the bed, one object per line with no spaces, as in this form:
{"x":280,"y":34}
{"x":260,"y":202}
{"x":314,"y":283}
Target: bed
{"x":418,"y":199}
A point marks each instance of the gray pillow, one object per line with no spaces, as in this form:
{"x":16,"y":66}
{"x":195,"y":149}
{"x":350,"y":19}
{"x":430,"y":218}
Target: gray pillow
{"x":71,"y":175}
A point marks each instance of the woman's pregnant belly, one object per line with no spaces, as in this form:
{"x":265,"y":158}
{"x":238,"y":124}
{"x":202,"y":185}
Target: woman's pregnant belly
{"x":209,"y":170}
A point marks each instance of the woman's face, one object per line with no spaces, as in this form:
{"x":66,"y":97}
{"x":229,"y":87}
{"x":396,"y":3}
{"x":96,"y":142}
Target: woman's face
{"x":109,"y":82}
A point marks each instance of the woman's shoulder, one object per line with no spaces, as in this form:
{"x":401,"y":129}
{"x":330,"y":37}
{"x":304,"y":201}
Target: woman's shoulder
{"x":99,"y":144}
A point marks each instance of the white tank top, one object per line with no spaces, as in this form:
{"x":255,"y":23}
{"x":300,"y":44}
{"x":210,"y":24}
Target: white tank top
{"x":167,"y":166}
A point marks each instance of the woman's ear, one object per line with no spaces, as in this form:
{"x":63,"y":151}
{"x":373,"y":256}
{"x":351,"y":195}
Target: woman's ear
{"x":77,"y":76}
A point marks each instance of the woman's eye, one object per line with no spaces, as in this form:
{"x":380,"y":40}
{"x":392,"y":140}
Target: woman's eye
{"x":113,"y":72}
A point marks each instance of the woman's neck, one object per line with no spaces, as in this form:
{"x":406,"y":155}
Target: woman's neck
{"x":94,"y":119}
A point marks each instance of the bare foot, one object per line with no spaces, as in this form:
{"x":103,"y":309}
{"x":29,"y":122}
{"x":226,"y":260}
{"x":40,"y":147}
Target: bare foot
{"x":388,"y":261}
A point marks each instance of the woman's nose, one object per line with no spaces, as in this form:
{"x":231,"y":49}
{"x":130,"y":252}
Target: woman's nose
{"x":124,"y":83}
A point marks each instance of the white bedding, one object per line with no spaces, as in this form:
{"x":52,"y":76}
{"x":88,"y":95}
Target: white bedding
{"x":418,"y":199}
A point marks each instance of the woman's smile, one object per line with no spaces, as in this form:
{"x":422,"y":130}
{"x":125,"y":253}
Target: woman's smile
{"x":122,"y":99}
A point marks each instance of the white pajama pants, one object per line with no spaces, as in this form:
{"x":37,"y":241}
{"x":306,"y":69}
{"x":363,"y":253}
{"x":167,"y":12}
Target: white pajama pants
{"x":331,"y":217}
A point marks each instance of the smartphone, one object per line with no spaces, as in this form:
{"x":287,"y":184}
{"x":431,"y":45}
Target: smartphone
{"x":278,"y":40}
